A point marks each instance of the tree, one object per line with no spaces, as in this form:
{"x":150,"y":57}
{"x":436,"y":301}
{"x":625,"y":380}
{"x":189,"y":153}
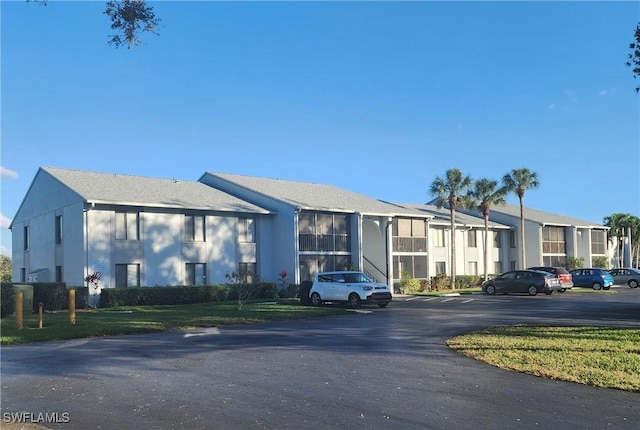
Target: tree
{"x":484,"y":194}
{"x":519,"y":181}
{"x":619,"y":224}
{"x":129,"y":18}
{"x":449,"y":191}
{"x":5,"y":268}
{"x":634,"y":56}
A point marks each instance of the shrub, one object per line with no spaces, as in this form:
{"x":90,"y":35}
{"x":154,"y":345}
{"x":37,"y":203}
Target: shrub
{"x":439,"y":282}
{"x":574,"y":263}
{"x":54,"y":296}
{"x":170,"y":295}
{"x":7,"y":299}
{"x":290,"y":291}
{"x":409,"y":284}
{"x":600,"y":262}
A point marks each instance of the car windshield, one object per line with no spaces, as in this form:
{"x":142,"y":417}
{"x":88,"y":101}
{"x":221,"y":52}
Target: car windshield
{"x":356,"y":277}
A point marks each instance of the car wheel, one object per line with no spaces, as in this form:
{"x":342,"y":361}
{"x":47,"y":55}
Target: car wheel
{"x":491,"y":290}
{"x":382,"y":305}
{"x":606,"y":288}
{"x":596,"y":286}
{"x":633,"y":283}
{"x":354,"y":300}
{"x":562,"y":290}
{"x":548,"y":293}
{"x":315,"y":299}
{"x":532,"y":290}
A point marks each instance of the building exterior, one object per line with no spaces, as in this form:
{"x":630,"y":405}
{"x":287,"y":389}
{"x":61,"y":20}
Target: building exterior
{"x":134,"y":231}
{"x":140,"y":231}
{"x":550,"y":239}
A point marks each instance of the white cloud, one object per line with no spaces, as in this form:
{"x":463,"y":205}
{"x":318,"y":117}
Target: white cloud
{"x":5,"y":251}
{"x":4,"y":222}
{"x":7,"y":174}
{"x":606,"y":92}
{"x":552,"y":106}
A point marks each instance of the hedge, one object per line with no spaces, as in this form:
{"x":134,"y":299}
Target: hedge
{"x":178,"y":295}
{"x":54,"y":296}
{"x":7,"y":299}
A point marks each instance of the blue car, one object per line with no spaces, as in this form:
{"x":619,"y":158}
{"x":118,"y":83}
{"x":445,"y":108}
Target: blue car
{"x":592,"y":278}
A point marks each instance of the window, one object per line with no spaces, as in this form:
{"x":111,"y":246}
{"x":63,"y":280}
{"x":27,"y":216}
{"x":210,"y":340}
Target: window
{"x":247,"y":272}
{"x":312,"y":264}
{"x":598,"y":242}
{"x":512,"y":265}
{"x":409,"y":235}
{"x":58,"y":230}
{"x":553,"y":240}
{"x":58,"y":273}
{"x":247,"y":230}
{"x":472,"y":240}
{"x":127,"y":226}
{"x":441,"y":266}
{"x":497,"y":267}
{"x":23,"y":274}
{"x":196,"y":274}
{"x":26,"y":237}
{"x":323,"y":232}
{"x":554,"y":261}
{"x":496,"y":239}
{"x":438,"y":237}
{"x":414,"y":265}
{"x":127,"y":275}
{"x":473,"y":268}
{"x":194,"y":228}
{"x":512,"y":239}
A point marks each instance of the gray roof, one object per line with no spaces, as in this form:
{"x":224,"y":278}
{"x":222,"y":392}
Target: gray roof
{"x":544,"y":218}
{"x":319,"y":197}
{"x":112,"y":188}
{"x":442,"y":216}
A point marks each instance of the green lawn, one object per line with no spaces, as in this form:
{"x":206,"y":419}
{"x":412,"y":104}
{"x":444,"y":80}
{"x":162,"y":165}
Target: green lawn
{"x":600,"y":356}
{"x":146,"y":319}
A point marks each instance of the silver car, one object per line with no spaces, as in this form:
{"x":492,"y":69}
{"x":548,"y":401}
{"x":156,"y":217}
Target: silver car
{"x":628,"y":276}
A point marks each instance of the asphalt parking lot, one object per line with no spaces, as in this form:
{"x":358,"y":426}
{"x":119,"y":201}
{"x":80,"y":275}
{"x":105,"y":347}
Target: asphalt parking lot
{"x":373,"y":369}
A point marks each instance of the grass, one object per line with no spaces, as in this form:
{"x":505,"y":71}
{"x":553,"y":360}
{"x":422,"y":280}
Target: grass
{"x":600,"y":356}
{"x":148,"y":319}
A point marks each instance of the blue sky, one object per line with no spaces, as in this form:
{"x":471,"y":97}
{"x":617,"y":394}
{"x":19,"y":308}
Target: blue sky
{"x":378,"y":98}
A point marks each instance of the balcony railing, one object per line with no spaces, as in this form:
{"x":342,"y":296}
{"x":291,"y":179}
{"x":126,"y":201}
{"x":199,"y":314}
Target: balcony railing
{"x":323,"y":242}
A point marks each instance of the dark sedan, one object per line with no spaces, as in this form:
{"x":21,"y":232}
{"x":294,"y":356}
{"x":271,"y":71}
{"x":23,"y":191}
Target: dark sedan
{"x":531,"y":282}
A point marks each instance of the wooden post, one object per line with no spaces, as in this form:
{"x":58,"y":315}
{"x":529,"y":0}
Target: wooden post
{"x":72,"y":306}
{"x":19,"y":298}
{"x":40,"y":305}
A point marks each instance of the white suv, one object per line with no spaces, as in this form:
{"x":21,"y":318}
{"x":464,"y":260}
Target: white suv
{"x":355,"y":288}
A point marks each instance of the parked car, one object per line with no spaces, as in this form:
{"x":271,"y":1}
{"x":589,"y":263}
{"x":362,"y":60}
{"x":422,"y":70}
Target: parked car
{"x":592,"y":278}
{"x":523,"y":281}
{"x":563,"y":275}
{"x":354,"y":288}
{"x":624,"y":275}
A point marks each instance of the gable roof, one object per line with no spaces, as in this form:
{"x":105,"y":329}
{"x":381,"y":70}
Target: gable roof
{"x":112,"y":188}
{"x":442,"y":216}
{"x":319,"y":197}
{"x":544,"y":218}
{"x":541,"y":217}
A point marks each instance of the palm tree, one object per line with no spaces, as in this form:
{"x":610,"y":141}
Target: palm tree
{"x":484,"y":194}
{"x":449,"y":190}
{"x":618,"y":224}
{"x":519,"y":181}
